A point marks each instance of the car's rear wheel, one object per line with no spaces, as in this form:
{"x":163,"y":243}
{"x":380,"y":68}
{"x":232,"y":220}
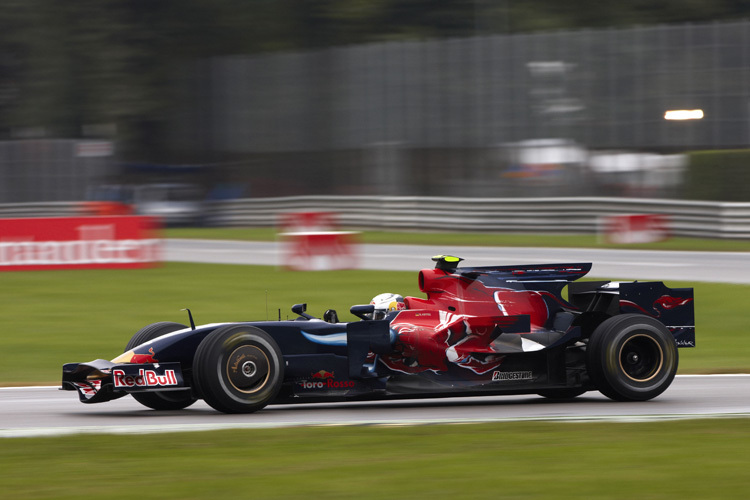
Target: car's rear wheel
{"x":160,"y":400}
{"x":238,"y":369}
{"x":632,"y":357}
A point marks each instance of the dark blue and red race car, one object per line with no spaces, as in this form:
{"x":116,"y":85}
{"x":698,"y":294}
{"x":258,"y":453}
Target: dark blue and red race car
{"x":527,"y":329}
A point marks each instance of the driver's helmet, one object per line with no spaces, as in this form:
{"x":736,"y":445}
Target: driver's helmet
{"x":385,"y":303}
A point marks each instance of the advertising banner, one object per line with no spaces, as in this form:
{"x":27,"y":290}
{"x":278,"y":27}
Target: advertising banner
{"x":311,"y":242}
{"x":79,"y":243}
{"x":641,"y":228}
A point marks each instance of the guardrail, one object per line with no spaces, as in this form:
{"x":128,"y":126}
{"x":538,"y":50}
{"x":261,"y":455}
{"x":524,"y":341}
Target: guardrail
{"x":536,"y":215}
{"x":41,"y":209}
{"x":701,"y":219}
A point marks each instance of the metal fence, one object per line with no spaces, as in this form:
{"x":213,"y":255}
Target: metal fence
{"x":41,"y":209}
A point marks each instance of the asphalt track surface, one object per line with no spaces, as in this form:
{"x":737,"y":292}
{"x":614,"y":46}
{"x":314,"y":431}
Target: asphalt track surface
{"x":719,"y":267}
{"x":44,"y":411}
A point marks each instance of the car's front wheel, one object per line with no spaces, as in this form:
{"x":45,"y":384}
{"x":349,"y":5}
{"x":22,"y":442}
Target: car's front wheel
{"x":160,"y":400}
{"x":632,"y":357}
{"x":238,"y":369}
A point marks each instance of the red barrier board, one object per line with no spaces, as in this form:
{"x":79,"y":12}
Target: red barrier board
{"x":320,"y":251}
{"x":311,"y":242}
{"x":641,"y":228}
{"x":79,"y":243}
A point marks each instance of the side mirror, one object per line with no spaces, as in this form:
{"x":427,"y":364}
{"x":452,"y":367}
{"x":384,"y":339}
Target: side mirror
{"x":330,"y":316}
{"x":362,"y":311}
{"x":299,"y":310}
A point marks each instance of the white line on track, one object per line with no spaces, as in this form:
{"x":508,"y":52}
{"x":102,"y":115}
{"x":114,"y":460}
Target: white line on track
{"x":169,"y":428}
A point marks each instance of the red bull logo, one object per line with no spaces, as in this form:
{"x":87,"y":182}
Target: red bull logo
{"x":144,"y":358}
{"x":145,"y":378}
{"x":323,"y":374}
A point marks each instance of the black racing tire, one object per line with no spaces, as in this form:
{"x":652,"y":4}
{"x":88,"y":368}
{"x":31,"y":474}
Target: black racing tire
{"x":632,"y":357}
{"x":238,"y":369}
{"x":566,"y":393}
{"x":161,"y":400}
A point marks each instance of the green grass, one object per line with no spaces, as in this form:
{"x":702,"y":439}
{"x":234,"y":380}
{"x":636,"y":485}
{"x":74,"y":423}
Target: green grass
{"x":475,"y":239}
{"x":53,"y":317}
{"x":666,"y":460}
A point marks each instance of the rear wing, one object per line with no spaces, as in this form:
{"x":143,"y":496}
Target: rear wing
{"x":673,"y":307}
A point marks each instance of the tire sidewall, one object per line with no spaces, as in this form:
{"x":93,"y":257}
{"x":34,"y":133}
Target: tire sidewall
{"x":152,"y":332}
{"x":606,"y":346}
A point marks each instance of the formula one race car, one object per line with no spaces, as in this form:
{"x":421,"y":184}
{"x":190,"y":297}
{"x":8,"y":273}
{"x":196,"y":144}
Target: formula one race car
{"x":480,"y":331}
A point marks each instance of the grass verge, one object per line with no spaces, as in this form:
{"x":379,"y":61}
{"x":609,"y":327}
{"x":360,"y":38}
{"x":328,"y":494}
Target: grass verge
{"x":666,"y":460}
{"x":53,"y":317}
{"x":475,"y":239}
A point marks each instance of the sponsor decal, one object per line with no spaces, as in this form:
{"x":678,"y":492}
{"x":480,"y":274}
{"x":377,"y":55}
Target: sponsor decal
{"x":506,"y":376}
{"x":323,"y":374}
{"x":668,"y":302}
{"x":145,"y":378}
{"x":324,"y":379}
{"x":144,"y":358}
{"x":665,"y":302}
{"x":90,"y":389}
{"x":235,"y":365}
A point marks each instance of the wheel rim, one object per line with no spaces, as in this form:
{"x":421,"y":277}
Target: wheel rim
{"x":641,"y":358}
{"x":248,"y":369}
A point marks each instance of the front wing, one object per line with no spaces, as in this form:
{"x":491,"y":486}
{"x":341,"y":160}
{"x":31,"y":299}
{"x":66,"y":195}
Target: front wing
{"x":100,"y":380}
